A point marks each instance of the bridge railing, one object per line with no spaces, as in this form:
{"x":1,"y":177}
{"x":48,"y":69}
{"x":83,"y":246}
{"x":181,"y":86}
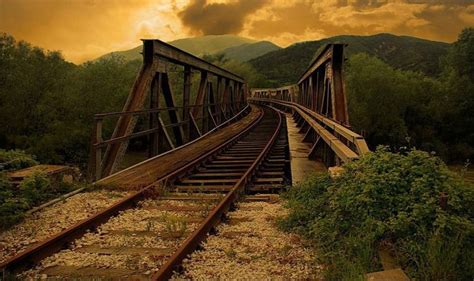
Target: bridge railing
{"x":217,"y":93}
{"x":318,"y":103}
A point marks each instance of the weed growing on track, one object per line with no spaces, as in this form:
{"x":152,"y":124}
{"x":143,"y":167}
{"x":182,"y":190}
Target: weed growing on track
{"x":391,"y":199}
{"x":175,"y":226}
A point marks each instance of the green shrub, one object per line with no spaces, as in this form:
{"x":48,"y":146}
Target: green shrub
{"x":35,"y":188}
{"x":15,"y":159}
{"x":394,"y":199}
{"x":11,"y":208}
{"x":32,"y":191}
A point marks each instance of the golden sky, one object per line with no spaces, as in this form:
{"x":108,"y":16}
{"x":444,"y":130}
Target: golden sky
{"x":85,"y":29}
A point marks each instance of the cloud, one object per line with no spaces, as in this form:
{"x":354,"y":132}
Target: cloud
{"x":440,"y":20}
{"x":204,"y":18}
{"x":86,"y":29}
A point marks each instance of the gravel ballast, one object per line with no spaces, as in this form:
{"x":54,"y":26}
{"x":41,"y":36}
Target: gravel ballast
{"x":251,"y":247}
{"x":53,"y":219}
{"x":136,"y":241}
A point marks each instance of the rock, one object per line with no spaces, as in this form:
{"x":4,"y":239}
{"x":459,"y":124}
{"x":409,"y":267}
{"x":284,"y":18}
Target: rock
{"x":335,"y":171}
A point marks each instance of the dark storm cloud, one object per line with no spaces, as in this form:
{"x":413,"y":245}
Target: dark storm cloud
{"x":218,"y":18}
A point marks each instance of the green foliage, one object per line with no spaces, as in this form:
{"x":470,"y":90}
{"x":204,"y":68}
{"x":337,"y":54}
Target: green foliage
{"x":35,"y":188}
{"x":389,"y":198}
{"x":457,"y":120}
{"x":32,"y":191}
{"x":15,"y":159}
{"x":47,"y":104}
{"x":400,"y":108}
{"x":242,"y":69}
{"x":246,"y":52}
{"x":11,"y":207}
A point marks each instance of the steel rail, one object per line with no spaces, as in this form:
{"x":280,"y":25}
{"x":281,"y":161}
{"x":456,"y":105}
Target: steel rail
{"x":200,"y":234}
{"x":57,"y":242}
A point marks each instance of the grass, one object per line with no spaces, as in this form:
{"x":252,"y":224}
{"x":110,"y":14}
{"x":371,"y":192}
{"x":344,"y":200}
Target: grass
{"x":175,"y":226}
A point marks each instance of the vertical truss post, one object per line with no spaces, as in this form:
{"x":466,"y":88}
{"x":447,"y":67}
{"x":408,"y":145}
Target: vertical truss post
{"x":339,"y":96}
{"x":218,"y":100}
{"x":205,"y":109}
{"x":173,"y":113}
{"x":198,"y":104}
{"x":225,"y":98}
{"x":212,"y":107}
{"x":154,"y":116}
{"x":98,"y":149}
{"x":186,"y":97}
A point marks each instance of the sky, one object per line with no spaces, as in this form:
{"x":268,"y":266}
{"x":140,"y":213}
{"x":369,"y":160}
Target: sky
{"x":86,"y":29}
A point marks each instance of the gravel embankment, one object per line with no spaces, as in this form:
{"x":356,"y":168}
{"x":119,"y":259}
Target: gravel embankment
{"x":53,"y":219}
{"x":251,"y":247}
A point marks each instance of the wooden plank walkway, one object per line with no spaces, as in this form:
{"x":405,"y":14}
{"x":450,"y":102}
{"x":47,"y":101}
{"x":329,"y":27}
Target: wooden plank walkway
{"x":301,"y":166}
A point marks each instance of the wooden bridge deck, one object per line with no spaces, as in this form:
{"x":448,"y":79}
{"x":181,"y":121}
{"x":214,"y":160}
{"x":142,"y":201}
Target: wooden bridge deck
{"x":147,"y":172}
{"x":301,"y":165}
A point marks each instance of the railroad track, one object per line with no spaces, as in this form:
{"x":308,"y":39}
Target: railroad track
{"x":157,"y":229}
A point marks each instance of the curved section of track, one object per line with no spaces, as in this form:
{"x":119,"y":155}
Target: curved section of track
{"x":172,"y":220}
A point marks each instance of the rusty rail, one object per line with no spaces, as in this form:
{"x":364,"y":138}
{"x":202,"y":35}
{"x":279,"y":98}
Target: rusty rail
{"x":192,"y":242}
{"x":52,"y":245}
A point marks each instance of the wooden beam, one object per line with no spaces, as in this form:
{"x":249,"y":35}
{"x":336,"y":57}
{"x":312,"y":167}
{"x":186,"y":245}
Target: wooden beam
{"x":155,"y":90}
{"x":126,"y":124}
{"x":186,"y":98}
{"x":173,"y":113}
{"x":197,"y":109}
{"x":323,"y":57}
{"x":338,"y":91}
{"x":166,"y":134}
{"x":194,"y":128}
{"x":175,"y":55}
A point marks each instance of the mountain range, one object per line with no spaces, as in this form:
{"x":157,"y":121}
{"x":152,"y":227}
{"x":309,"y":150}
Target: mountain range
{"x":232,"y":46}
{"x":403,"y":52}
{"x":284,"y":65}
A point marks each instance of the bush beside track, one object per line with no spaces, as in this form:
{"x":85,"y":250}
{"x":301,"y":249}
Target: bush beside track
{"x":34,"y":190}
{"x":409,"y":202}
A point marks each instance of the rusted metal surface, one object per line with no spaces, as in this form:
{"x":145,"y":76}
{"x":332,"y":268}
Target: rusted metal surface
{"x":153,"y":83}
{"x":48,"y":247}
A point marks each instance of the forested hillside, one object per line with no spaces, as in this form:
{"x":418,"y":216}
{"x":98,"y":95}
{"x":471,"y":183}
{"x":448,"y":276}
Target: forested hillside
{"x":246,"y":52}
{"x":406,"y":53}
